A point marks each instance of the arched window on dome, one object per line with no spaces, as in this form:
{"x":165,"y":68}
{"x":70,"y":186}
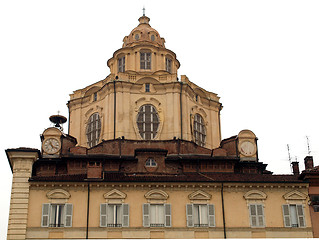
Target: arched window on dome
{"x":147,"y":122}
{"x":199,"y":130}
{"x":145,"y":60}
{"x":168,"y":64}
{"x":93,"y":129}
{"x":121,"y":64}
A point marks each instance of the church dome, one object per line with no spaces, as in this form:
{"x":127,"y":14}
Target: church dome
{"x":143,"y":33}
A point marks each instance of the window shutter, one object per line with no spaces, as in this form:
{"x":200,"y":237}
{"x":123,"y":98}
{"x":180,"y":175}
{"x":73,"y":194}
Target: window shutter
{"x":260,"y":215}
{"x":45,"y":214}
{"x":126,"y":219}
{"x":103,"y":215}
{"x":68,"y":215}
{"x":146,"y":215}
{"x":189,"y":215}
{"x":286,"y":215}
{"x":301,"y":217}
{"x":253,"y":215}
{"x":211,"y":215}
{"x":168,"y":218}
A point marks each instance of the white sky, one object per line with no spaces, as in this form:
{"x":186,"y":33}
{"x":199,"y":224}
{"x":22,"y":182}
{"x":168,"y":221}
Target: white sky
{"x":260,"y":57}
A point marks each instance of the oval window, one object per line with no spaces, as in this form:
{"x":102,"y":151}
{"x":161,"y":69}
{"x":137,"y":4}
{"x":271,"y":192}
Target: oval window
{"x":147,"y":122}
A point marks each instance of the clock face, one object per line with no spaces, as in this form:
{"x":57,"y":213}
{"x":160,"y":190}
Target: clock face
{"x":247,"y":148}
{"x":51,"y":145}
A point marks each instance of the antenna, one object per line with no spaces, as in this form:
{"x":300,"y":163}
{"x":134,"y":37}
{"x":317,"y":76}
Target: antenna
{"x":143,"y":11}
{"x":289,"y":158}
{"x":308,"y":145}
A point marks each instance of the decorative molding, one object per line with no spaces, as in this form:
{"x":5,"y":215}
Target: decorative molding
{"x":255,"y":195}
{"x":295,"y":197}
{"x":156,"y":196}
{"x":114,"y":194}
{"x":199,"y":197}
{"x":58,"y":196}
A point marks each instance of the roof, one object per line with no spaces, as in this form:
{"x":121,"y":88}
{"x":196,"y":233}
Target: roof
{"x":185,"y":177}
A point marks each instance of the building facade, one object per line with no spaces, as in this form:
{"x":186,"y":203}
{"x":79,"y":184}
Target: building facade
{"x":144,"y":158}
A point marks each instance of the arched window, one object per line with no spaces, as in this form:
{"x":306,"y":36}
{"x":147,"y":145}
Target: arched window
{"x":93,"y":130}
{"x":199,"y":130}
{"x":145,"y":60}
{"x":147,"y":122}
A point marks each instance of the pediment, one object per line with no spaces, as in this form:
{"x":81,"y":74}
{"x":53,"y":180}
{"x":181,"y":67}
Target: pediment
{"x":156,"y":194}
{"x":199,"y":195}
{"x":114,"y":194}
{"x":255,"y":195}
{"x":295,"y":195}
{"x":58,"y":194}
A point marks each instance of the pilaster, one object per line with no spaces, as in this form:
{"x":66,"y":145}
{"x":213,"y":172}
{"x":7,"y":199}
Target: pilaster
{"x":21,"y":161}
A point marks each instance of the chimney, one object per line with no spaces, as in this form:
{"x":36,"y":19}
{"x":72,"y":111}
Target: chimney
{"x":295,"y":168}
{"x":308,"y":162}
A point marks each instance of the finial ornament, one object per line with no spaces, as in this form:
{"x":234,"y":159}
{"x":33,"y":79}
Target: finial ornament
{"x":143,"y":11}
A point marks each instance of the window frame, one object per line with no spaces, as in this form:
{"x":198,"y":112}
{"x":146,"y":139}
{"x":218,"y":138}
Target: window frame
{"x":199,"y":130}
{"x":121,"y":64}
{"x":259,"y":217}
{"x":190,"y":216}
{"x":93,"y":129}
{"x":168,"y":64}
{"x":65,"y":219}
{"x":145,"y":60}
{"x":121,"y":218}
{"x":148,"y":217}
{"x":300,"y":215}
{"x":146,"y":124}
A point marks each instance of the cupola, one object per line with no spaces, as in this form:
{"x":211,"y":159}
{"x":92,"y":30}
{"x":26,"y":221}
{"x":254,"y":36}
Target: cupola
{"x":143,"y":33}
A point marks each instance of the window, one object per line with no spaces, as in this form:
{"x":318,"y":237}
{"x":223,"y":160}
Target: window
{"x":150,"y":163}
{"x":94,"y":97}
{"x":315,"y":202}
{"x":145,"y":60}
{"x":168,"y":64}
{"x":147,"y":122}
{"x":114,"y":215}
{"x":256,"y":213}
{"x":137,"y":37}
{"x":147,"y":87}
{"x":121,"y":64}
{"x":200,"y":215}
{"x":93,"y":130}
{"x":56,"y":215}
{"x":153,"y":37}
{"x":199,"y":130}
{"x":293,"y":215}
{"x":156,"y":215}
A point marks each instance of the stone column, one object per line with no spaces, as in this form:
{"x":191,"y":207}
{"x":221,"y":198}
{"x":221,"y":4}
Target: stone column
{"x":21,"y":161}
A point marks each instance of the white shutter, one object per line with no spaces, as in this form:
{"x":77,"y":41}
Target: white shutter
{"x":168,"y":218}
{"x":260,"y":215}
{"x":146,"y":215}
{"x":189,"y":215}
{"x":286,"y":215}
{"x":68,"y":215}
{"x":103,"y":215}
{"x":126,"y":219}
{"x":45,"y":215}
{"x":301,"y":216}
{"x":211,"y":215}
{"x":253,"y":215}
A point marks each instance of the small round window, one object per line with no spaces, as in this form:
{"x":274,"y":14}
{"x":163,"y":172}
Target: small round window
{"x":150,"y":163}
{"x":93,"y":130}
{"x":147,"y":122}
